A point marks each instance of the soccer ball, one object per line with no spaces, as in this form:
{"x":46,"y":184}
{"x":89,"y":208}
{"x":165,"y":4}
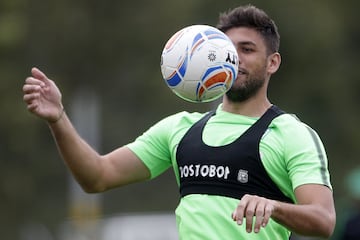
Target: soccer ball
{"x":199,"y":63}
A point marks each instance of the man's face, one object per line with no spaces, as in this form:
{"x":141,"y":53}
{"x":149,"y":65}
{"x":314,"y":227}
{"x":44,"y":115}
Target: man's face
{"x":252,"y":63}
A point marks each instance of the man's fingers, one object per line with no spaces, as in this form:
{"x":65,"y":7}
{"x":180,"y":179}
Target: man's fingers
{"x":267,"y":214}
{"x":259,"y":214}
{"x":34,"y":81}
{"x":31,"y":107}
{"x":249,"y":215}
{"x":39,"y":75}
{"x":29,"y":98}
{"x":255,"y":211}
{"x":239,"y":212}
{"x":29,"y":88}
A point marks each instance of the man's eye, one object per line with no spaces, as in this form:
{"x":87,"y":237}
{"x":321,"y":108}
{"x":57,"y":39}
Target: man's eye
{"x":247,"y":49}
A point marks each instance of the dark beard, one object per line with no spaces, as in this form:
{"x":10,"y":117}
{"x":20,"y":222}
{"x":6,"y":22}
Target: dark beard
{"x":243,"y":93}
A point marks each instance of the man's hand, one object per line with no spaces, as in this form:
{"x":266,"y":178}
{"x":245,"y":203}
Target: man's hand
{"x":42,"y":96}
{"x":251,"y":206}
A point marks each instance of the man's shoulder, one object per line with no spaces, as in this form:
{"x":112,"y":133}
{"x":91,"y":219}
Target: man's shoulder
{"x":292,"y":128}
{"x":184,"y":117}
{"x":290,"y":120}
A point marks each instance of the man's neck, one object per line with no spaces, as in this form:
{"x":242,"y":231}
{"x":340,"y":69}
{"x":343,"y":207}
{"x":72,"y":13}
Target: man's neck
{"x":253,"y":107}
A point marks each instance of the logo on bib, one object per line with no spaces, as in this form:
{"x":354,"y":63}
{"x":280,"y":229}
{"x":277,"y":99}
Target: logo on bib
{"x":198,"y":170}
{"x":243,"y":176}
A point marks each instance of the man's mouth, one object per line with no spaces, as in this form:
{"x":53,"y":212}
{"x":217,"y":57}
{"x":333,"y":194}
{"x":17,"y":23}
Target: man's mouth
{"x":242,"y":71}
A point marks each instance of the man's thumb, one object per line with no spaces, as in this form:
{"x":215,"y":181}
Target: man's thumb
{"x":38,"y":74}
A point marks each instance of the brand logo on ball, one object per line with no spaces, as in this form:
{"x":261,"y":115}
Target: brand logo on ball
{"x":231,"y":58}
{"x":212,"y":56}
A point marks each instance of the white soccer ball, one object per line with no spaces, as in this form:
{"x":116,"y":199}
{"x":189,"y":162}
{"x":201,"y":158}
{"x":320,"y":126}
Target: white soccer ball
{"x":199,"y":63}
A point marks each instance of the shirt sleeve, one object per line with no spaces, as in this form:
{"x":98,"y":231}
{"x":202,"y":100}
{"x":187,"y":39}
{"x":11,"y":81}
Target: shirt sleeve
{"x":305,"y":156}
{"x":152,"y":147}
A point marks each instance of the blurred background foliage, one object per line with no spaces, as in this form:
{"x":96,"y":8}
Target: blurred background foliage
{"x":113,"y":48}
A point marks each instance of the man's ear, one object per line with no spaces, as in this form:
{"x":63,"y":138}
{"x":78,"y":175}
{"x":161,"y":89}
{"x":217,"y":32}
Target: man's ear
{"x":274,"y":61}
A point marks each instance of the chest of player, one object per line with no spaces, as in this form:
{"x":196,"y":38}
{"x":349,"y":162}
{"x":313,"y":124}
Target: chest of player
{"x":231,"y":170}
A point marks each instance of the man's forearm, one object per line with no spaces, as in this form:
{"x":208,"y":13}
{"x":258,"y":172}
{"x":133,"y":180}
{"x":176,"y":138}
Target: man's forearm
{"x":79,"y":157}
{"x":309,"y":220}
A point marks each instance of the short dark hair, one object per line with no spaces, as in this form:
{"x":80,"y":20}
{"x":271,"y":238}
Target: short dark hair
{"x":252,"y":17}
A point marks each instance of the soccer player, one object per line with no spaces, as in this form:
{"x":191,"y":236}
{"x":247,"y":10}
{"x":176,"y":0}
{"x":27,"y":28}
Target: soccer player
{"x":246,"y":170}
